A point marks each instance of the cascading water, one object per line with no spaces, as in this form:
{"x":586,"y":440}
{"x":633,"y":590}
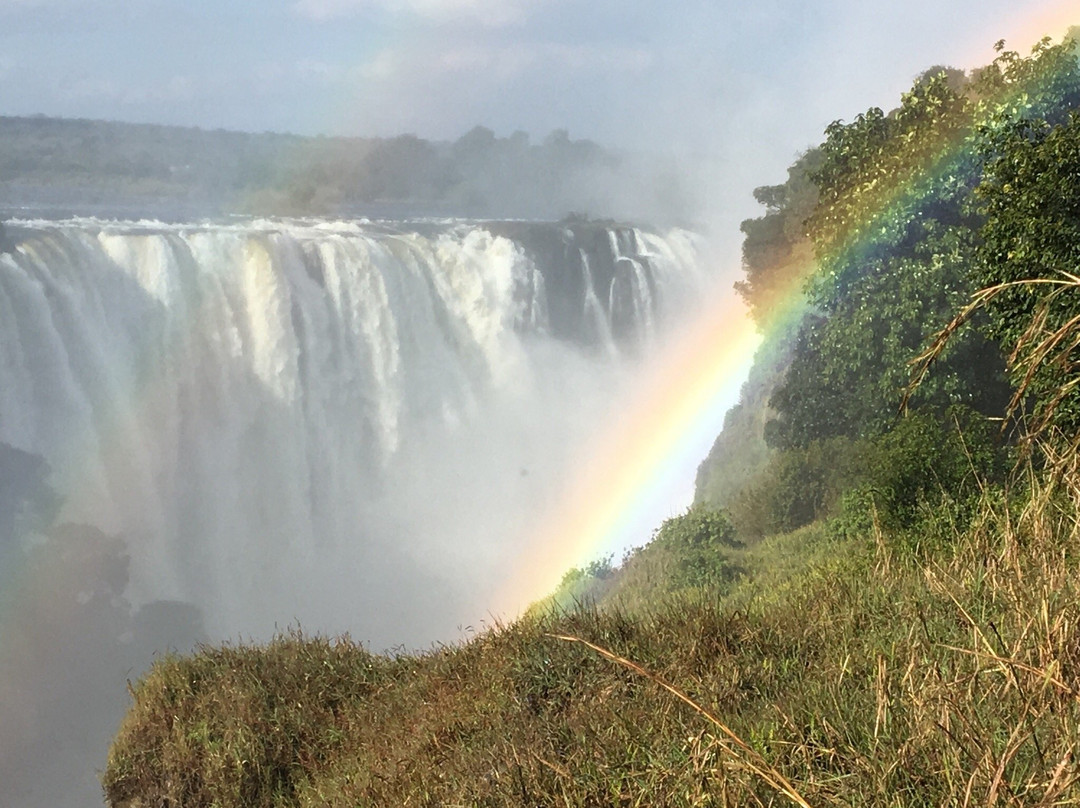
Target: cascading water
{"x":341,"y":424}
{"x":594,"y":312}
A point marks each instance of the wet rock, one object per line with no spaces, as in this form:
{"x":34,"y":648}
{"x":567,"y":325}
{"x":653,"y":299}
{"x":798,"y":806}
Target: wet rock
{"x":6,"y":244}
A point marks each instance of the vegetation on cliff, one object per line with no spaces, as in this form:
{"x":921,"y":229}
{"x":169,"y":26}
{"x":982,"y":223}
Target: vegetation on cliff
{"x":884,"y":612}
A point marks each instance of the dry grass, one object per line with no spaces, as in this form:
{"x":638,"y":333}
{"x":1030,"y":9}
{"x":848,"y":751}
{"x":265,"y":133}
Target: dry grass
{"x":741,"y":752}
{"x":863,"y":676}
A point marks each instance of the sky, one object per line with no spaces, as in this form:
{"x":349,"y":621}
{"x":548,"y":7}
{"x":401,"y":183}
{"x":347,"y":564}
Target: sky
{"x":744,"y":85}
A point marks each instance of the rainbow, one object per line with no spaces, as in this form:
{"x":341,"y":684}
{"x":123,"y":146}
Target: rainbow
{"x":691,"y":384}
{"x":628,"y":469}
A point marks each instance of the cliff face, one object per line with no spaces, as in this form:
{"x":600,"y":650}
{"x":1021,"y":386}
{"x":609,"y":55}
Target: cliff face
{"x":740,"y":451}
{"x":598,"y":267}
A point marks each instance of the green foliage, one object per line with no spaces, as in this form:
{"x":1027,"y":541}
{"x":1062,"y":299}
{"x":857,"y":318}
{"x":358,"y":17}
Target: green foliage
{"x":923,"y":459}
{"x":797,"y":487}
{"x":1031,"y":195}
{"x":851,"y":367}
{"x":776,"y":251}
{"x":581,"y":585}
{"x":698,"y":528}
{"x":888,"y":204}
{"x":690,"y":555}
{"x":1041,"y":86}
{"x":872,"y":181}
{"x":600,"y":568}
{"x":697,"y":539}
{"x":897,"y":237}
{"x":895,"y":241}
{"x":924,"y":463}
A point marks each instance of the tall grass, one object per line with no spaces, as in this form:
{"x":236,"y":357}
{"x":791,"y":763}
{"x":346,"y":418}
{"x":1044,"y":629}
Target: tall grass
{"x":859,"y":672}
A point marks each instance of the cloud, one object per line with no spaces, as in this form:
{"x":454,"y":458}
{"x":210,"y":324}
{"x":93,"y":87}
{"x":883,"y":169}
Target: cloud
{"x":443,"y":90}
{"x":487,"y":13}
{"x":318,"y":70}
{"x":507,"y":61}
{"x":33,"y":5}
{"x":22,"y":7}
{"x":177,"y":89}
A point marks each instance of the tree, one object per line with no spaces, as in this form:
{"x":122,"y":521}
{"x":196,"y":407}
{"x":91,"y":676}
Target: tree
{"x":1031,"y":197}
{"x":699,"y":527}
{"x":777,"y":253}
{"x":476,"y":145}
{"x":697,"y":539}
{"x":894,"y":236}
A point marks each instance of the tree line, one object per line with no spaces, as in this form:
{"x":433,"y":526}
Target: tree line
{"x":55,"y":162}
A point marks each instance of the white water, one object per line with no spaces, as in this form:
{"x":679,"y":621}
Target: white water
{"x":343,"y":424}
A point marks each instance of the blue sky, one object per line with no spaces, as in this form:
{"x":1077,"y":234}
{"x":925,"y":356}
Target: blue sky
{"x":748,"y":84}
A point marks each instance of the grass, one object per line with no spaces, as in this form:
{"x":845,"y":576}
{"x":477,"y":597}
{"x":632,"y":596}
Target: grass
{"x":857,"y":671}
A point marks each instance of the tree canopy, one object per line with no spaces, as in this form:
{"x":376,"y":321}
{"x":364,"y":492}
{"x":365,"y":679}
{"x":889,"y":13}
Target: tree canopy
{"x":899,"y":233}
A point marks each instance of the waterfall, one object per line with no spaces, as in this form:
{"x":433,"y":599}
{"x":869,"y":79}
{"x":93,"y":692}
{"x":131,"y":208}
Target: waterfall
{"x":345,"y":424}
{"x":594,"y":312}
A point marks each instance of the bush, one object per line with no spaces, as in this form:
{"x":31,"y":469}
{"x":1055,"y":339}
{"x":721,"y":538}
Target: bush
{"x":799,"y":486}
{"x":697,"y":539}
{"x":927,"y":459}
{"x":923,"y":458}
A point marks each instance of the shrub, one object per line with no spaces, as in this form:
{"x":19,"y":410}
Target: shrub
{"x":799,"y":486}
{"x":697,"y":539}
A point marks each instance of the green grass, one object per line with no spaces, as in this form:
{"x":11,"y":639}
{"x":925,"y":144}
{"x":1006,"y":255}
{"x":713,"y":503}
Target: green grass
{"x":867,"y":670}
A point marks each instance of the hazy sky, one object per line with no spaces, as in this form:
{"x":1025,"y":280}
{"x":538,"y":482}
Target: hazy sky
{"x":731,"y":79}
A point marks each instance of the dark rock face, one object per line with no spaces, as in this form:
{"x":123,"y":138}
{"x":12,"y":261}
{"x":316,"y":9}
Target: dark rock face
{"x":24,"y":494}
{"x":6,"y":244}
{"x":583,"y":258}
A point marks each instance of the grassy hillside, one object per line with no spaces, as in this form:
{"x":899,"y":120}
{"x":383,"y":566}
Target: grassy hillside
{"x":860,"y":670}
